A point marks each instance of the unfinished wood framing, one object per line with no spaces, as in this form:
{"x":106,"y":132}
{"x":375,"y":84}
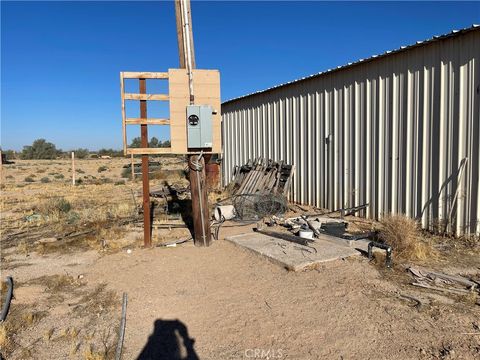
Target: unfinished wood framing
{"x":207,"y":92}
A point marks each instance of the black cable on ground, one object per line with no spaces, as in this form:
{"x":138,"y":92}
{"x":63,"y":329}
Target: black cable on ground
{"x":8,"y":299}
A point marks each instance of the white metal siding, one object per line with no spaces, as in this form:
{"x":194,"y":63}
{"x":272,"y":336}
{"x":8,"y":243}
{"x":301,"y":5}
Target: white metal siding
{"x":391,"y":132}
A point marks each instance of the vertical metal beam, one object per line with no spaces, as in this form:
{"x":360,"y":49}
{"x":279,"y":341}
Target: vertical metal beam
{"x":132,"y":168}
{"x":147,"y":241}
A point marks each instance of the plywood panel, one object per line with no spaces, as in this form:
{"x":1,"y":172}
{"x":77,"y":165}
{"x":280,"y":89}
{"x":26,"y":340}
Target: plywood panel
{"x":206,"y":88}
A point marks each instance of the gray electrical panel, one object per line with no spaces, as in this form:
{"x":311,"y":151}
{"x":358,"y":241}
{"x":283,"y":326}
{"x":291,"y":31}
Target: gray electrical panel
{"x":199,"y":126}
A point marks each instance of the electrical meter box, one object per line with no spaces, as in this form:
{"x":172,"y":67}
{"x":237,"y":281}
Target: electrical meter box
{"x":199,"y":126}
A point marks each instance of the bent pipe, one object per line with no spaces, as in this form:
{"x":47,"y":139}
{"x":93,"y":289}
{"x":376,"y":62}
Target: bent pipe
{"x":8,"y":299}
{"x":386,"y":247}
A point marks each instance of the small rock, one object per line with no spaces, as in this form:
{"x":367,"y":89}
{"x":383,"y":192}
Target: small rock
{"x":129,"y":251}
{"x":81,"y":276}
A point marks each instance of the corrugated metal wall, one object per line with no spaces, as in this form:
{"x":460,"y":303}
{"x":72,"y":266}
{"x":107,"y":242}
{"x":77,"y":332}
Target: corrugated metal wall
{"x":400,"y":132}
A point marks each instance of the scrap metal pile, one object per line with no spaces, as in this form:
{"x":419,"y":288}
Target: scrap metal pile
{"x":260,"y":188}
{"x":262,"y":176}
{"x":308,"y":226}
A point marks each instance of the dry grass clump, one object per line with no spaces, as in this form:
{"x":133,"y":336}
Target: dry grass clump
{"x":54,"y":207}
{"x":91,"y":354}
{"x":403,"y":234}
{"x":97,"y":302}
{"x":33,"y":317}
{"x":5,"y":340}
{"x":57,"y":283}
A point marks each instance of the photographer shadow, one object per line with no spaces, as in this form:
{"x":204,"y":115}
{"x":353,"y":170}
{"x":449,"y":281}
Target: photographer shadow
{"x":169,"y":340}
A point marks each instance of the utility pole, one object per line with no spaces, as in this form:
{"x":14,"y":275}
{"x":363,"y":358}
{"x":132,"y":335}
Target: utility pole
{"x":196,"y":163}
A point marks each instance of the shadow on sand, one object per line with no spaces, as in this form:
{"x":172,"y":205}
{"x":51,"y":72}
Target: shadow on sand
{"x":169,"y":340}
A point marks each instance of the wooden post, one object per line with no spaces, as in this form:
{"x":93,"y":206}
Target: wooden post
{"x":133,"y":168}
{"x":147,"y":241}
{"x":73,"y":168}
{"x":198,"y":189}
{"x":1,"y":167}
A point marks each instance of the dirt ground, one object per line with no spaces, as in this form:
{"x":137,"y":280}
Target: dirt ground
{"x":71,"y":268}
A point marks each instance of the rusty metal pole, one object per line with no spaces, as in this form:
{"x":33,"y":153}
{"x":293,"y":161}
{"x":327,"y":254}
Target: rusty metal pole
{"x":1,"y":167}
{"x":133,"y":168}
{"x":147,"y":240}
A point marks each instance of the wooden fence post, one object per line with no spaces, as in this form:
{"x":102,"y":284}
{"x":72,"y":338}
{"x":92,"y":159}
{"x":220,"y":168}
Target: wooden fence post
{"x":73,"y":168}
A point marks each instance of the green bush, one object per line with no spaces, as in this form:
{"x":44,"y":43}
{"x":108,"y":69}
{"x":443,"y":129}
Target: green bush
{"x":102,"y":169}
{"x":45,"y":179}
{"x":80,"y":171}
{"x":29,"y":179}
{"x":40,"y":149}
{"x":59,"y":176}
{"x":126,"y":173}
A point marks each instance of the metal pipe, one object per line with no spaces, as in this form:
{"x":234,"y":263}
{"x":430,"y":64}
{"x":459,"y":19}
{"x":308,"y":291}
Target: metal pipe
{"x":386,"y":247}
{"x":121,"y":334}
{"x":8,"y":299}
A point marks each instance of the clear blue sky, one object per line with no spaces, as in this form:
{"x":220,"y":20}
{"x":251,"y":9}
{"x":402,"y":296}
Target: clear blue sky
{"x":60,"y":61}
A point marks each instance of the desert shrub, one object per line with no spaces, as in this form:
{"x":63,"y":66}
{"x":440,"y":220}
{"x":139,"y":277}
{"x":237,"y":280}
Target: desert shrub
{"x":121,"y":182}
{"x":29,"y":179}
{"x":41,"y":171}
{"x":72,"y":217}
{"x":10,"y":177}
{"x":59,"y":176}
{"x":80,"y":171}
{"x":403,"y":234}
{"x":126,"y":173}
{"x":81,"y":153}
{"x":78,"y":181}
{"x":102,"y":169}
{"x":45,"y":180}
{"x":56,"y":205}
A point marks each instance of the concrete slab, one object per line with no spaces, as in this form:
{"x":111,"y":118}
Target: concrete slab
{"x":293,"y":256}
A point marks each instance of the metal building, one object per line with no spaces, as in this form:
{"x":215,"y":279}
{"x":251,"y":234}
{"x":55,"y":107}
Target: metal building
{"x":399,"y":131}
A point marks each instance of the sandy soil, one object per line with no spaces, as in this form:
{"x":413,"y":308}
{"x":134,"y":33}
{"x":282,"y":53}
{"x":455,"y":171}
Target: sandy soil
{"x":220,"y":302}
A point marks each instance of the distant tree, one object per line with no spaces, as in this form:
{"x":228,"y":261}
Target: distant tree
{"x":153,"y":143}
{"x":136,"y":142}
{"x":165,"y":143}
{"x":40,"y":149}
{"x":10,"y":154}
{"x":81,"y":153}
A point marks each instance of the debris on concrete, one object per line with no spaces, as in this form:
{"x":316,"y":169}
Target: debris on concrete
{"x":290,"y":255}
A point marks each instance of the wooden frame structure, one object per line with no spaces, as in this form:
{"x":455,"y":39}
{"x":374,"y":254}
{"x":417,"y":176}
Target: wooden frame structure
{"x":207,"y":92}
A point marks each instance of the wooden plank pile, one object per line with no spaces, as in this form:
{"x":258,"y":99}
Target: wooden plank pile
{"x":262,"y":176}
